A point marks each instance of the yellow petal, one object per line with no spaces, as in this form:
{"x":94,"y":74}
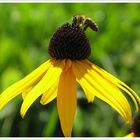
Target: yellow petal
{"x":46,"y":82}
{"x":118,"y":83}
{"x":50,"y":94}
{"x":130,"y":135}
{"x":66,"y":101}
{"x":25,"y":92}
{"x":110,"y":88}
{"x":90,"y":96}
{"x":91,"y":80}
{"x":23,"y":84}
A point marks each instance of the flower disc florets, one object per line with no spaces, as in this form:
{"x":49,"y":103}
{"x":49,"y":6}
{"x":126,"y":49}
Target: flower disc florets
{"x":70,"y":42}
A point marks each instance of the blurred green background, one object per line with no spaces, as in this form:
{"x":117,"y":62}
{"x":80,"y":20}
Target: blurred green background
{"x":25,"y":31}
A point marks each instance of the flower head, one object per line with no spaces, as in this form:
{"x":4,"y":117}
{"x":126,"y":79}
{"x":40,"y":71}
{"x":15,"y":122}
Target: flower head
{"x":69,"y":49}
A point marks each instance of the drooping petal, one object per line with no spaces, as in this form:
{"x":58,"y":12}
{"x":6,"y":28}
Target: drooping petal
{"x":25,"y":92}
{"x":90,"y":79}
{"x":113,"y":91}
{"x":66,"y":101}
{"x":23,"y":84}
{"x":46,"y":82}
{"x":90,"y":96}
{"x":112,"y":79}
{"x":50,"y":94}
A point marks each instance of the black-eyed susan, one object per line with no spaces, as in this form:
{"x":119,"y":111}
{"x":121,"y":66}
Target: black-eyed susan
{"x":135,"y":127}
{"x":69,"y":49}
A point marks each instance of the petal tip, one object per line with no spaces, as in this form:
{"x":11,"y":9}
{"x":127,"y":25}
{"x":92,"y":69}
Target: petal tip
{"x":22,"y":114}
{"x":42,"y":102}
{"x":22,"y":111}
{"x":67,"y":134}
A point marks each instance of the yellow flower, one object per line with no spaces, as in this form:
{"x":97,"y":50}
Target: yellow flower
{"x":56,"y":78}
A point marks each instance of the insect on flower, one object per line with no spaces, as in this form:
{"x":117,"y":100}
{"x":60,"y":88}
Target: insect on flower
{"x":69,"y":50}
{"x":84,"y":22}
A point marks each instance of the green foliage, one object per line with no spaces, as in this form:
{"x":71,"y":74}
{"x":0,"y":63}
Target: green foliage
{"x":25,"y":30}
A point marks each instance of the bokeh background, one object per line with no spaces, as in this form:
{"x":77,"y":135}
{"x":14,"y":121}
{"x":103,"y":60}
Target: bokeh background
{"x":25,"y":31}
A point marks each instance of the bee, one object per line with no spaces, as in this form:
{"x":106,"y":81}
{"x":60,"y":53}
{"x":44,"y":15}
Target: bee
{"x":84,"y":22}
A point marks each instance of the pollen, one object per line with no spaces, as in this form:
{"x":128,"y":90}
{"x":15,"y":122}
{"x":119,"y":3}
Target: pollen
{"x":69,"y":42}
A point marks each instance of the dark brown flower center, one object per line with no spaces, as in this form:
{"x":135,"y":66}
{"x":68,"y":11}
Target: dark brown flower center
{"x":136,"y":126}
{"x":69,"y":42}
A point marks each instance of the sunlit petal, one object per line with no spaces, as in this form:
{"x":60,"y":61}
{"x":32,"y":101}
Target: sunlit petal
{"x":50,"y":94}
{"x":23,"y":84}
{"x":112,"y":79}
{"x":110,"y":88}
{"x":66,"y":101}
{"x":25,"y":92}
{"x":102,"y":89}
{"x":90,"y":96}
{"x":46,"y":82}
